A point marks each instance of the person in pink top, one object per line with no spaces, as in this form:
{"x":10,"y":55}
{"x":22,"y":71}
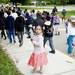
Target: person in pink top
{"x":38,"y":57}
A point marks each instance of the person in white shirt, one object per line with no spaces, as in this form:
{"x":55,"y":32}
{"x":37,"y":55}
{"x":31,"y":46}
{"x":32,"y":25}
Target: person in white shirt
{"x":71,"y":34}
{"x":33,"y":14}
{"x":14,"y":14}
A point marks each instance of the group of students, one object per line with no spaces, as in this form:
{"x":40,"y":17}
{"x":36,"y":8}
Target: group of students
{"x":11,"y":21}
{"x":14,"y":21}
{"x":42,"y":24}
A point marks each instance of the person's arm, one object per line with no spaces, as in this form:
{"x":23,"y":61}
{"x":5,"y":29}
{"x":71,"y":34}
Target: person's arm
{"x":69,"y":30}
{"x":51,"y":29}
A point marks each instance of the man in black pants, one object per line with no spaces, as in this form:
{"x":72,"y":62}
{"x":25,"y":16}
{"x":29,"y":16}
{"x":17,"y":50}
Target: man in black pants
{"x":48,"y":34}
{"x":2,"y":24}
{"x":19,"y":27}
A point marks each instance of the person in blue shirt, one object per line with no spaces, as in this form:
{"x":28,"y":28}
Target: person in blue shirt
{"x":10,"y":27}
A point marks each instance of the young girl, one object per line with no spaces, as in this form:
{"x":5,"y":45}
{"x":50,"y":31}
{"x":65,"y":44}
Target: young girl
{"x":71,"y":34}
{"x":39,"y":56}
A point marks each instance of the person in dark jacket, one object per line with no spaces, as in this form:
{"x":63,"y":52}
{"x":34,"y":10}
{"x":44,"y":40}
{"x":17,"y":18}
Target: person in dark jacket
{"x":19,"y":27}
{"x":39,"y":20}
{"x":54,"y":10}
{"x":48,"y":34}
{"x":10,"y":27}
{"x":29,"y":22}
{"x":2,"y":24}
{"x":63,"y":14}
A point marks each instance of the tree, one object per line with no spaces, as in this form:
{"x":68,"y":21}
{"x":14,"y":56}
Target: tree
{"x":63,"y":2}
{"x":26,"y":2}
{"x":21,"y":1}
{"x":4,"y":1}
{"x":71,"y":1}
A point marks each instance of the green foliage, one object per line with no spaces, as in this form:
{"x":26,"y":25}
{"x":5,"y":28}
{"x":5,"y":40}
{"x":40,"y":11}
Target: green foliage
{"x":7,"y":66}
{"x":26,"y":2}
{"x":68,"y":14}
{"x":71,"y":2}
{"x":59,"y":2}
{"x":4,"y":1}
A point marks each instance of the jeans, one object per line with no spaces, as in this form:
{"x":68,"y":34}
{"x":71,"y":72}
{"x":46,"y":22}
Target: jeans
{"x":50,"y":42}
{"x":28,"y":29}
{"x":69,"y":42}
{"x":11,"y":36}
{"x":20,"y":37}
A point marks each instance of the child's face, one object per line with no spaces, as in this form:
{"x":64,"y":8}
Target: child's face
{"x":38,"y":30}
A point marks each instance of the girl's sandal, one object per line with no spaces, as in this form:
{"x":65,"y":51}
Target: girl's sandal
{"x":33,"y":71}
{"x":40,"y":72}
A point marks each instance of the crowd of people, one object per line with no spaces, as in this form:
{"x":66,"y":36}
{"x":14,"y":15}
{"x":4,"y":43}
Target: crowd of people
{"x":14,"y":22}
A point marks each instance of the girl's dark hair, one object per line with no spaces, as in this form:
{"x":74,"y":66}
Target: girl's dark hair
{"x":40,"y":27}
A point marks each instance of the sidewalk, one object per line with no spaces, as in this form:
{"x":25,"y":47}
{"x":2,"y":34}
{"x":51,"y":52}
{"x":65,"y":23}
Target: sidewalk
{"x":58,"y":63}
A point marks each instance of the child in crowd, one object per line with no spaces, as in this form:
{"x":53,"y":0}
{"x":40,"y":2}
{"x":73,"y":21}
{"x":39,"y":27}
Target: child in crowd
{"x":71,"y":34}
{"x":39,"y":56}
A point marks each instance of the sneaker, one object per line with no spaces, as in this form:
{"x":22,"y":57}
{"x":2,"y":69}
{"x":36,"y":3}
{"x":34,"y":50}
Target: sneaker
{"x":40,"y":72}
{"x":14,"y":41}
{"x":28,"y":37}
{"x":71,"y":55}
{"x":20,"y":44}
{"x":34,"y":70}
{"x":53,"y":51}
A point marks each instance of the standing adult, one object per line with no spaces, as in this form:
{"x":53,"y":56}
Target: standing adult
{"x":56,"y":23}
{"x":38,"y":20}
{"x":2,"y":24}
{"x":19,"y":27}
{"x":10,"y":27}
{"x":29,"y":22}
{"x":63,"y":14}
{"x":48,"y":33}
{"x":14,"y":14}
{"x":54,"y":9}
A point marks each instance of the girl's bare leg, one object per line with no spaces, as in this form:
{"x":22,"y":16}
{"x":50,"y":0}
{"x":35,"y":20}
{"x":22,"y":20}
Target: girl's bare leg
{"x":40,"y":71}
{"x":34,"y":70}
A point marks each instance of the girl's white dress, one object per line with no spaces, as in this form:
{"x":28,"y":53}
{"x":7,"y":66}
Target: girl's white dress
{"x":38,"y":57}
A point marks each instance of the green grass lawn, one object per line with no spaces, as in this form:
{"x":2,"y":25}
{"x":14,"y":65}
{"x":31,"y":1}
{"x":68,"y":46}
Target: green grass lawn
{"x":69,"y":13}
{"x":7,"y":66}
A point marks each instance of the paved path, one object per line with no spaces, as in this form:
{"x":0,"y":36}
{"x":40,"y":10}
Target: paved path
{"x":58,"y":63}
